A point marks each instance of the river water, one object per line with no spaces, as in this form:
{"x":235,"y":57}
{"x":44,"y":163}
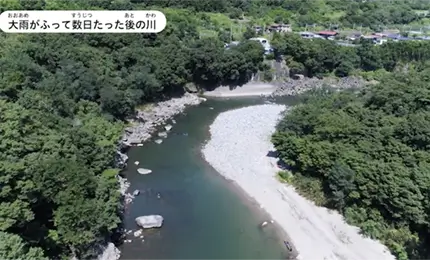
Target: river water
{"x":205,"y":216}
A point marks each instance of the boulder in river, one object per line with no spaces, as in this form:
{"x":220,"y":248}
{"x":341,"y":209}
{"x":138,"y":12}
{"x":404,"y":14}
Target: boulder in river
{"x":144,"y":171}
{"x":168,"y":127}
{"x":158,"y":141}
{"x":150,"y":221}
{"x":136,"y":193}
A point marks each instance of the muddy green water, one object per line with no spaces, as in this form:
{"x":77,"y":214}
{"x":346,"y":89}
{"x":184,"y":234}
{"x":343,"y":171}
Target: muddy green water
{"x":205,"y":216}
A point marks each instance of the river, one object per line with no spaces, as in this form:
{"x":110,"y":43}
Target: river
{"x":205,"y":216}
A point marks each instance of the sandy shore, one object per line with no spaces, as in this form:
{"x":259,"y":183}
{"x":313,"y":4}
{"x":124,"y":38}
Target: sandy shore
{"x":249,"y":89}
{"x":238,"y":148}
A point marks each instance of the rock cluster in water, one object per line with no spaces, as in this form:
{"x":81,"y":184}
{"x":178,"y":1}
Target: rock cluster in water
{"x":294,"y":87}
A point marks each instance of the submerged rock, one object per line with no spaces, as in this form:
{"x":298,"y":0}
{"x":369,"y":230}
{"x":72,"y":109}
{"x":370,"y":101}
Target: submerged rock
{"x":137,"y":233}
{"x":162,"y":134}
{"x":150,"y":221}
{"x":264,"y":224}
{"x":144,"y":171}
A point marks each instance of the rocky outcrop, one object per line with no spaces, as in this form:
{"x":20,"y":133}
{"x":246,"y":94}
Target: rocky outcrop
{"x":294,"y":87}
{"x":150,"y":221}
{"x":191,"y":88}
{"x":121,"y":160}
{"x":147,"y":121}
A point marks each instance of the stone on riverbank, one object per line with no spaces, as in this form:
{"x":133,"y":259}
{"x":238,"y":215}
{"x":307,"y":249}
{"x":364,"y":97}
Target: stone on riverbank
{"x":168,"y":127}
{"x":150,"y":221}
{"x":110,"y":253}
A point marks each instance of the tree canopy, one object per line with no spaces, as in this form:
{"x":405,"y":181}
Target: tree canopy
{"x":320,"y":57}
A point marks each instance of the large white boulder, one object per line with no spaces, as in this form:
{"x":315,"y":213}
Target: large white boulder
{"x":150,"y":221}
{"x":110,"y":253}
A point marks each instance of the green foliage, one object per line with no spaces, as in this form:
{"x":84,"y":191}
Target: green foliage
{"x":321,"y":57}
{"x":13,"y":247}
{"x":368,"y":154}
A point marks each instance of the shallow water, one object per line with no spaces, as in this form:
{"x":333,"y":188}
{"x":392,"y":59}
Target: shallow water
{"x":205,"y":216}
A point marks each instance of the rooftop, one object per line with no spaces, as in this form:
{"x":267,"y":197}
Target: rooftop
{"x":328,"y":33}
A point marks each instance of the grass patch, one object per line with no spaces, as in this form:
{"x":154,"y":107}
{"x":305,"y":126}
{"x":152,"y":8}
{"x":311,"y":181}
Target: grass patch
{"x":308,"y":187}
{"x":285,"y":177}
{"x":144,"y":107}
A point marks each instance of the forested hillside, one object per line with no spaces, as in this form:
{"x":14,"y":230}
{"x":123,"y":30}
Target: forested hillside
{"x":63,"y":100}
{"x":321,"y":57}
{"x":373,"y":14}
{"x":367,"y":155}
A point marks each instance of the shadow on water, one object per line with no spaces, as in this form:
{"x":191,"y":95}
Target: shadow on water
{"x":205,"y":216}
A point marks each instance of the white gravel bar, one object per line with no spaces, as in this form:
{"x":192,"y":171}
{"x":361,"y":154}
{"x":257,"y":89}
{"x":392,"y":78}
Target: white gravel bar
{"x":240,"y":141}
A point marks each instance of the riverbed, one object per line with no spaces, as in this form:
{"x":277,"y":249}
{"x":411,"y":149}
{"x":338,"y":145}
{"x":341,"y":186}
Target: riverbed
{"x":205,"y":216}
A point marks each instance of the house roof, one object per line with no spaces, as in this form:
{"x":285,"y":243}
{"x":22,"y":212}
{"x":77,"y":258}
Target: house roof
{"x":327,"y":33}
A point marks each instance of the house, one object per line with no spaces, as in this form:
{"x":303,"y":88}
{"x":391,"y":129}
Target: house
{"x":380,"y":41}
{"x":280,"y":28}
{"x":258,"y":29}
{"x":393,"y":36}
{"x":373,"y":37}
{"x":327,"y":34}
{"x":354,"y":36}
{"x":265,"y":43}
{"x":379,"y":35}
{"x":307,"y":35}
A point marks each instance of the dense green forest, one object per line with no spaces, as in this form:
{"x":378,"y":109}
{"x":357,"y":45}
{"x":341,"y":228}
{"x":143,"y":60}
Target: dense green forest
{"x":321,"y":57}
{"x":63,"y":102}
{"x":367,"y":155}
{"x":347,"y":13}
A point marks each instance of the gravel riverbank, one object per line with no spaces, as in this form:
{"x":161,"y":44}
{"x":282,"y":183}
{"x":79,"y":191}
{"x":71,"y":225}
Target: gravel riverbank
{"x":293,"y":87}
{"x":238,"y":149}
{"x":288,"y":87}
